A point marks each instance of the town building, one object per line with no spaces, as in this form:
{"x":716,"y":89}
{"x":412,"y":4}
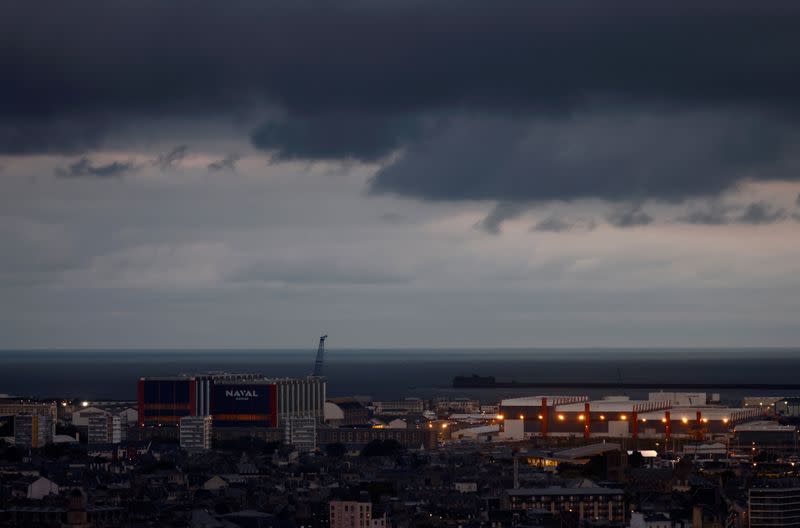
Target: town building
{"x":301,"y":432}
{"x":32,"y":431}
{"x":774,"y":502}
{"x":589,"y":503}
{"x":354,"y":514}
{"x":107,"y":429}
{"x":196,"y":433}
{"x":13,"y":407}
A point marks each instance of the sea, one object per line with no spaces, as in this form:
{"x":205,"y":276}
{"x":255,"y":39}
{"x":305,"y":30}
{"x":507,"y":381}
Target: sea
{"x":382,"y":374}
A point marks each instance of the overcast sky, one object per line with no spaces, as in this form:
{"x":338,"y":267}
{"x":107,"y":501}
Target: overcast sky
{"x":400,"y":173}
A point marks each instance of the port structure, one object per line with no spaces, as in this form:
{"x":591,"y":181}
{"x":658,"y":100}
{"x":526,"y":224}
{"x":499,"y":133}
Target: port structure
{"x":319,"y":363}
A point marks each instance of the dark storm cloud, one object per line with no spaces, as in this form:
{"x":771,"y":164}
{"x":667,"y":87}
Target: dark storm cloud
{"x":227,"y":163}
{"x":336,"y":136}
{"x":629,"y":216}
{"x":172,"y":158}
{"x":84,"y":168}
{"x":360,"y":80}
{"x":62,"y":136}
{"x":618,"y":155}
{"x":389,"y":57}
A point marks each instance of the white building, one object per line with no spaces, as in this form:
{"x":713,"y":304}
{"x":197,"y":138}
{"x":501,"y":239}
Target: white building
{"x":41,"y":488}
{"x":107,"y":429}
{"x":127,"y":412}
{"x":301,"y":397}
{"x":301,"y":433}
{"x":195,"y":433}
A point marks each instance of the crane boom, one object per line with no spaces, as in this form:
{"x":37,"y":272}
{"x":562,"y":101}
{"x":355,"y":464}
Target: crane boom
{"x":320,"y":356}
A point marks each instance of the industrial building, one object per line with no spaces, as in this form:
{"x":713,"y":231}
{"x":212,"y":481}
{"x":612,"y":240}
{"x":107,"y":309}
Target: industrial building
{"x":788,"y":407}
{"x":407,"y":406}
{"x":620,"y":417}
{"x":765,"y":435}
{"x":13,"y":407}
{"x":345,"y":411}
{"x":301,"y":397}
{"x":233,"y":400}
{"x":195,"y":433}
{"x":33,"y":430}
{"x":244,"y":404}
{"x":107,"y":429}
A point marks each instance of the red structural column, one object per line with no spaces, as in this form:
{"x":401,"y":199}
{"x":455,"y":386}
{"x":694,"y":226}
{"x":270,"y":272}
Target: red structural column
{"x":586,"y":419}
{"x":667,"y":425}
{"x":193,"y":398}
{"x":699,"y":434}
{"x":545,"y":417}
{"x":635,"y":419}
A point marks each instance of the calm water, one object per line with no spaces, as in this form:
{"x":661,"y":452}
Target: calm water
{"x":112,"y":374}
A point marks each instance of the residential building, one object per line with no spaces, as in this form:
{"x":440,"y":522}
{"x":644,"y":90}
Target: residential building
{"x":107,"y":429}
{"x":33,"y":430}
{"x":354,"y":514}
{"x":595,"y":503}
{"x":196,"y":433}
{"x":301,"y":433}
{"x":775,"y":502}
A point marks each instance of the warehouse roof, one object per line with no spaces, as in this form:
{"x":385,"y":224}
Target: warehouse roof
{"x":536,"y":401}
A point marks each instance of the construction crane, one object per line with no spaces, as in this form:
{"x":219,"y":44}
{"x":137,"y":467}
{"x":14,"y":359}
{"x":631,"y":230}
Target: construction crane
{"x":320,"y":356}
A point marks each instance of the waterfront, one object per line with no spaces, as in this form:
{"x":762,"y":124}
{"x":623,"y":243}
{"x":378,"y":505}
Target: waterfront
{"x":385,"y":373}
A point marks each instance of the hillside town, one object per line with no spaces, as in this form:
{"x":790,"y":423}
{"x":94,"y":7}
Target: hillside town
{"x":673,"y":460}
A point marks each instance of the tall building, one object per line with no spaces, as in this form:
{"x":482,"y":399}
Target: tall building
{"x":354,"y":514}
{"x":301,"y":432}
{"x":33,"y":430}
{"x":107,"y":429}
{"x":195,"y":433}
{"x":775,"y":502}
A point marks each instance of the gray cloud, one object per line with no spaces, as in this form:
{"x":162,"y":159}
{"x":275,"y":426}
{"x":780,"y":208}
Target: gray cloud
{"x":630,"y":215}
{"x":84,"y":168}
{"x":172,"y":158}
{"x":310,"y":271}
{"x":227,"y":163}
{"x":553,"y":224}
{"x":761,"y":213}
{"x":501,"y":212}
{"x":717,"y":213}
